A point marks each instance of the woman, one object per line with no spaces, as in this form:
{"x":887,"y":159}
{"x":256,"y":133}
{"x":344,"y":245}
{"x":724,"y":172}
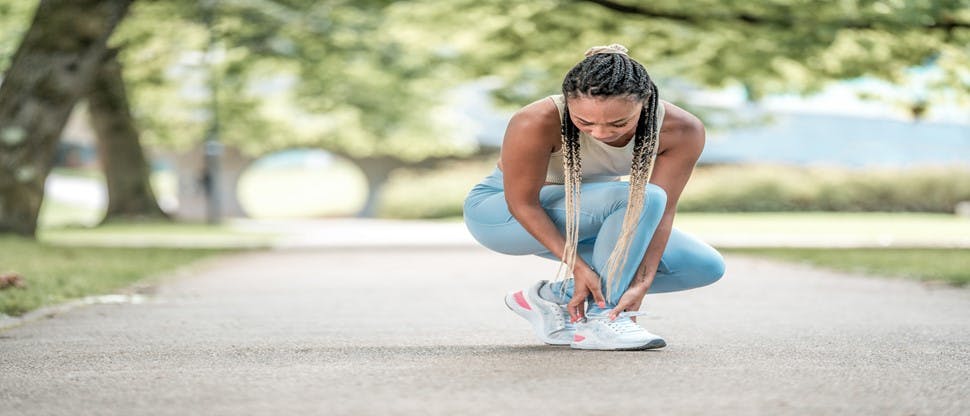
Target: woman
{"x":618,"y":243}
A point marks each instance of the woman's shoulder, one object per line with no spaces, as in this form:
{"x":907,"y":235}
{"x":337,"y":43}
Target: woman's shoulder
{"x":533,"y":134}
{"x":539,"y":116}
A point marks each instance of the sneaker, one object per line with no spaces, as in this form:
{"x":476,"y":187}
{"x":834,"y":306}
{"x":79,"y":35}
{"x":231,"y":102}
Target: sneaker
{"x":598,"y":332}
{"x":549,"y":319}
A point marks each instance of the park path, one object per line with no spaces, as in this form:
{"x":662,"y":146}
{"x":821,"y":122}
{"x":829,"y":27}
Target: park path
{"x":422,"y":330}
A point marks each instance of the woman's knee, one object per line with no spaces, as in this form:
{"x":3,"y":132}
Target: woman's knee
{"x":655,"y":196}
{"x":709,"y":268}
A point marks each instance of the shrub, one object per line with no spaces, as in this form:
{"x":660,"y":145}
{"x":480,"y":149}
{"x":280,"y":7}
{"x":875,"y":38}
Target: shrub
{"x":431,"y":194}
{"x":747,"y":188}
{"x":723,"y":188}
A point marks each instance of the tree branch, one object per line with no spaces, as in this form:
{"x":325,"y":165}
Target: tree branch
{"x":944,"y":23}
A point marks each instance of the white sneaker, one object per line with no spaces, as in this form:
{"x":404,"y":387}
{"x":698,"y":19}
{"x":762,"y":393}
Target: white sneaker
{"x":598,"y":332}
{"x":549,"y":319}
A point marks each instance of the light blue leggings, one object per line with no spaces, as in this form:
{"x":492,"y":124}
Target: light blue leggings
{"x":687,"y":262}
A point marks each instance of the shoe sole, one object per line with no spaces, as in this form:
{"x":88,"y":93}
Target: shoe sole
{"x":528,"y":317}
{"x":653,"y":344}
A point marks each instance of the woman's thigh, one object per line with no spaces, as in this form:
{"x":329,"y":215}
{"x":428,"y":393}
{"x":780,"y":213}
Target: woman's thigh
{"x":687,"y":263}
{"x":488,"y":218}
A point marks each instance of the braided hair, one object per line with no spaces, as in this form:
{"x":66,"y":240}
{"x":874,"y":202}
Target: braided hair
{"x":608,"y":71}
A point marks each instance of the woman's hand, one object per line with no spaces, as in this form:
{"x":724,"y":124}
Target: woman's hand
{"x":630,"y":301}
{"x":585,"y":281}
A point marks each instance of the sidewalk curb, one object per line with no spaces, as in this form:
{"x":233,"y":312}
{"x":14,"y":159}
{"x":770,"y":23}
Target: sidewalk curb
{"x":47,"y":312}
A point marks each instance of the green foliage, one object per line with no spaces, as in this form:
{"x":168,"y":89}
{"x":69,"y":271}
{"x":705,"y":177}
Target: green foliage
{"x":164,"y":73}
{"x":765,"y":46}
{"x":15,"y":18}
{"x":729,"y":188}
{"x":436,"y":194}
{"x":294,"y":74}
{"x":944,"y":265}
{"x":54,"y":274}
{"x":750,"y":188}
{"x":366,"y":78}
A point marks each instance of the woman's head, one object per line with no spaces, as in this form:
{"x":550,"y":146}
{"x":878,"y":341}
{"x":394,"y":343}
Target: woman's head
{"x":612,"y":96}
{"x":608,"y":71}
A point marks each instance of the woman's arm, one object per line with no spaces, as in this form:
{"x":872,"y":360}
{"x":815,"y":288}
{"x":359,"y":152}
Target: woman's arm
{"x":533,"y":134}
{"x":681,"y":141}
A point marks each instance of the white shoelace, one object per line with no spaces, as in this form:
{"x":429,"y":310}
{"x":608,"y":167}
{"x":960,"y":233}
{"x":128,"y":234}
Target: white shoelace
{"x":565,"y":321}
{"x":622,"y":324}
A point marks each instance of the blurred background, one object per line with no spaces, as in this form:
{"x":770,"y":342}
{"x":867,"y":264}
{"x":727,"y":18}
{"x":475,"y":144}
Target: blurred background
{"x":830,"y":124}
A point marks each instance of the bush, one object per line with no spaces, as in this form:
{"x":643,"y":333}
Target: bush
{"x":431,"y":194}
{"x":722,"y":188}
{"x":746,"y":188}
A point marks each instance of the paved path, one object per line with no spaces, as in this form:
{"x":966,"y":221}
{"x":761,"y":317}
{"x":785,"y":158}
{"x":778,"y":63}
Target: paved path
{"x":423,"y":331}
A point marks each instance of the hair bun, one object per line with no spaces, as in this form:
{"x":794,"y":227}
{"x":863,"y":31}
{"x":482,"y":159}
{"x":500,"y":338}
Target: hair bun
{"x":614,"y":48}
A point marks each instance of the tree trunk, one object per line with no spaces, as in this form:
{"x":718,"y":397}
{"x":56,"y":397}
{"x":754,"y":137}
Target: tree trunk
{"x":52,"y":68}
{"x":377,"y":170}
{"x":126,"y":169}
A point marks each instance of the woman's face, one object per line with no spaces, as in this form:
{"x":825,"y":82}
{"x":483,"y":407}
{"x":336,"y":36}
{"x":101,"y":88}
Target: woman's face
{"x":611,"y":120}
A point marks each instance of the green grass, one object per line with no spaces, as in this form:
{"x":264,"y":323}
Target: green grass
{"x":300,"y":192}
{"x":900,"y":229}
{"x":946,"y":265}
{"x":54,"y":274}
{"x":157,"y":234}
{"x":55,"y":213}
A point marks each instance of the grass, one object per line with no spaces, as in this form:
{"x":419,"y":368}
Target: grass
{"x":157,"y":234}
{"x":894,"y":230}
{"x":879,"y":229}
{"x":297,"y":192}
{"x":926,"y":264}
{"x":55,"y":213}
{"x":54,"y":274}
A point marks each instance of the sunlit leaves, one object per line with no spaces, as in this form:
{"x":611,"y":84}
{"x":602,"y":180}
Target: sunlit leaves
{"x":15,"y":17}
{"x":768,"y":46}
{"x":369,"y":77}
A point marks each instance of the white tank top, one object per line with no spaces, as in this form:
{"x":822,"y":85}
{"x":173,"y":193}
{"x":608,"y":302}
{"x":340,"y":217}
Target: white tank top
{"x":601,"y":162}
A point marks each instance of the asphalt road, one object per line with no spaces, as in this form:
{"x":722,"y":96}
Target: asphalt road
{"x":423,"y":331}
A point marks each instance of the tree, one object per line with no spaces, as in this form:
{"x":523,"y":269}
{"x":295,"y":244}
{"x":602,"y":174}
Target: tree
{"x":51,"y":70}
{"x":364,"y":79}
{"x":334,"y":76}
{"x":764,"y":46}
{"x":126,"y":169}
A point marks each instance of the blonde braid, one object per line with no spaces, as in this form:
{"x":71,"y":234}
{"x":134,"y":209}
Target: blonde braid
{"x":644,"y":154}
{"x":608,"y":72}
{"x":573,"y":169}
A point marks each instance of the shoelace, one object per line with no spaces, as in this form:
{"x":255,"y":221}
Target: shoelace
{"x":622,"y":323}
{"x":564,"y":319}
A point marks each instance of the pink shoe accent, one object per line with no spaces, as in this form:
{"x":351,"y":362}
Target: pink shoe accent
{"x":520,"y":299}
{"x":578,"y":338}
